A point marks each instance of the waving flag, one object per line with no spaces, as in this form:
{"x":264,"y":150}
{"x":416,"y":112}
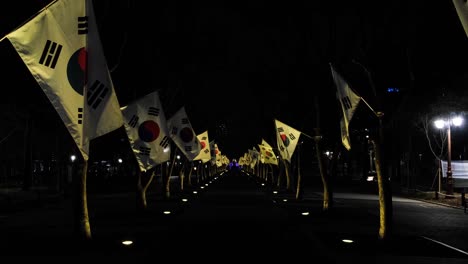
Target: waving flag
{"x":287,"y":138}
{"x":147,"y":131}
{"x":267,"y":153}
{"x":461,"y":7}
{"x":182,"y":134}
{"x":349,"y":102}
{"x":62,"y":49}
{"x":205,"y":153}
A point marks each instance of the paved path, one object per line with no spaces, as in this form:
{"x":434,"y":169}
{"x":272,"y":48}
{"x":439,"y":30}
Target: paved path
{"x":236,"y":218}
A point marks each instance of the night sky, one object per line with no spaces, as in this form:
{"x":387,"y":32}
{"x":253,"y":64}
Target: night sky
{"x":244,"y":64}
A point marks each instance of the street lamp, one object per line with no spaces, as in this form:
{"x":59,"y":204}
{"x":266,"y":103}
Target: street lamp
{"x":448,"y":123}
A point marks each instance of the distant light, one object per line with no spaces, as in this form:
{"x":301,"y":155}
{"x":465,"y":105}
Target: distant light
{"x":439,"y":123}
{"x":167,"y":212}
{"x":457,"y":121}
{"x":370,"y":178}
{"x":347,"y":241}
{"x":206,"y":184}
{"x":367,"y":136}
{"x":178,"y":156}
{"x":393,"y":90}
{"x":305,"y":213}
{"x":120,"y":160}
{"x":127,"y":242}
{"x":275,"y":192}
{"x":72,"y":158}
{"x":285,"y":200}
{"x":263,"y":184}
{"x":166,"y":149}
{"x":184,"y":200}
{"x":195,"y":192}
{"x":203,"y":187}
{"x":194,"y":168}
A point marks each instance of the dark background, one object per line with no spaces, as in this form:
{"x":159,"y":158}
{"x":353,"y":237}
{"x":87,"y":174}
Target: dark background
{"x":236,"y":66}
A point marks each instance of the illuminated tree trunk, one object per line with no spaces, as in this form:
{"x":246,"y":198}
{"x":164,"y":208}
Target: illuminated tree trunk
{"x":288,"y":176}
{"x":189,"y":179}
{"x":168,"y":178}
{"x":385,"y":204}
{"x":182,"y":176}
{"x":85,"y":227}
{"x":299,"y":178}
{"x":141,"y":189}
{"x":280,"y":175}
{"x":323,"y":173}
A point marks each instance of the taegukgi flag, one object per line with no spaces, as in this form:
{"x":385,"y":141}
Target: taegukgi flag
{"x":62,"y":49}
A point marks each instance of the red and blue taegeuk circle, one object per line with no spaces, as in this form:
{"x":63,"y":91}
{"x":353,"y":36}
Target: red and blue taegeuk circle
{"x":186,"y":134}
{"x":76,"y":69}
{"x":149,"y":131}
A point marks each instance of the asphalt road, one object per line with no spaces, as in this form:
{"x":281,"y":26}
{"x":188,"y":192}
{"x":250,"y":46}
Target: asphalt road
{"x":236,"y":218}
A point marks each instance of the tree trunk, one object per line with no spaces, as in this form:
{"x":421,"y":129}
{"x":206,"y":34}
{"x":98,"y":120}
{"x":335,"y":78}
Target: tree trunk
{"x":84,"y":225}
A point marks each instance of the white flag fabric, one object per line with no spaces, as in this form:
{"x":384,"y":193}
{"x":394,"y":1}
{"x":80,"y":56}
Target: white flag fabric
{"x":183,"y":135}
{"x":267,"y":154}
{"x":146,"y":127}
{"x":205,"y":153}
{"x":349,"y":102}
{"x":461,"y":7}
{"x":287,"y":138}
{"x":219,"y":156}
{"x":62,"y":49}
{"x":254,"y":155}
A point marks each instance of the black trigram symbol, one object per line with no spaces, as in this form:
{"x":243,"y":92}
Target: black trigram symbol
{"x":280,"y":129}
{"x":346,"y":102}
{"x":133,"y":121}
{"x":82,"y":25}
{"x":153,"y":111}
{"x":80,"y":115}
{"x":185,"y":121}
{"x":96,"y":94}
{"x":145,"y":151}
{"x":164,"y":142}
{"x":188,"y":148}
{"x":50,"y":54}
{"x":206,"y":151}
{"x":291,"y":136}
{"x":174,"y":131}
{"x":204,"y":138}
{"x":281,"y":148}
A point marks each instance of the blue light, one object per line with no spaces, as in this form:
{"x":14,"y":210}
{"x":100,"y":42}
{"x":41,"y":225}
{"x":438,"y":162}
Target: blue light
{"x":393,"y":90}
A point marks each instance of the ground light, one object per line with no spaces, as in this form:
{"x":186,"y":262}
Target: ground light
{"x":305,"y":213}
{"x":167,"y":212}
{"x":127,"y":242}
{"x":348,"y":241}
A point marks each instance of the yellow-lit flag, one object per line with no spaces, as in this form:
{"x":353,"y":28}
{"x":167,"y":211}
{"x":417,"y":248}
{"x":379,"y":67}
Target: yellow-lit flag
{"x":205,"y":153}
{"x":348,"y":101}
{"x":62,"y":49}
{"x":461,"y":7}
{"x":287,"y":138}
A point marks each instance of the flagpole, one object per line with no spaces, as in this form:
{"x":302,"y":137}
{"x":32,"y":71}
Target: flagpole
{"x":373,"y":111}
{"x":27,"y":20}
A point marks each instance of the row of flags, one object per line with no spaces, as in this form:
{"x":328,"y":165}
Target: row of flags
{"x":62,"y":49}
